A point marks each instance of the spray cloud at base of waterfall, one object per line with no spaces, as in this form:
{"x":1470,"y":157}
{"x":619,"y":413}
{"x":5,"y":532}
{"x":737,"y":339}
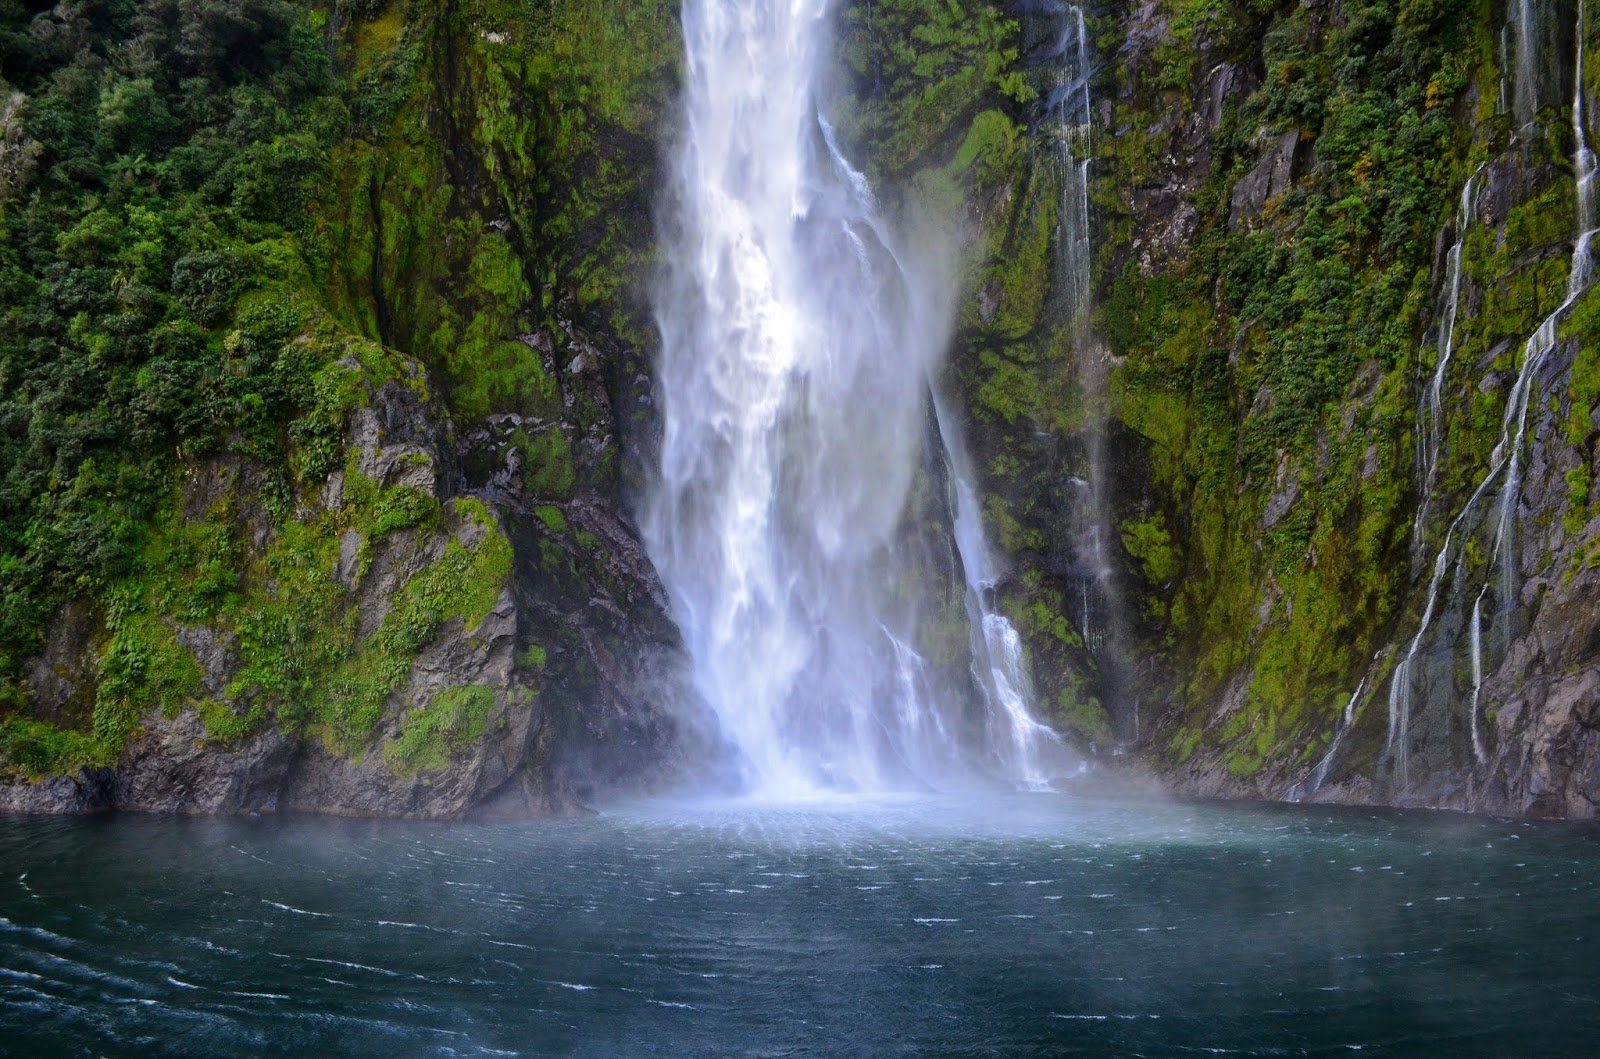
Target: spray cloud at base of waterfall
{"x":798,"y":338}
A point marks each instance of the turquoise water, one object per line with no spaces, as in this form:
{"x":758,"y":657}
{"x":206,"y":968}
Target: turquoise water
{"x":1020,"y":925}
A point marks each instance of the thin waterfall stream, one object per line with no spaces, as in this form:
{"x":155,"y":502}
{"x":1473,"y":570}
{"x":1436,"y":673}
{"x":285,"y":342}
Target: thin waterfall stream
{"x":1430,"y":414}
{"x":1030,"y":751}
{"x":1067,"y":124}
{"x":1507,"y":455}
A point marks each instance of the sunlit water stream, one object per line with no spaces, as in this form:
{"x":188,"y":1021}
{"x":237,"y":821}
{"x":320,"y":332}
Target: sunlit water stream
{"x":1030,"y":924}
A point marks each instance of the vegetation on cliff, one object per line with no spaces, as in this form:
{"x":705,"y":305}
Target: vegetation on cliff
{"x":225,"y":227}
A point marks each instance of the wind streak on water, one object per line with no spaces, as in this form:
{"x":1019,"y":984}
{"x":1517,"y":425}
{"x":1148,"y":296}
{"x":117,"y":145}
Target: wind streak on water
{"x":896,"y":926}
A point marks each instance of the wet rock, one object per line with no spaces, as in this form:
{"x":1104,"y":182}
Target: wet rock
{"x":1269,"y":179}
{"x":62,"y":679}
{"x":602,"y":688}
{"x":1285,"y":491}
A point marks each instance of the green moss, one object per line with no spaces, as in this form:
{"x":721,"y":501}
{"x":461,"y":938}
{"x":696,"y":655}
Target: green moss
{"x":35,"y":751}
{"x":1082,"y":715}
{"x":404,"y":507}
{"x":143,"y":668}
{"x":552,"y":517}
{"x":462,"y":584}
{"x":938,"y":62}
{"x":433,"y":736}
{"x":547,"y":469}
{"x":226,"y":725}
{"x":1151,"y":546}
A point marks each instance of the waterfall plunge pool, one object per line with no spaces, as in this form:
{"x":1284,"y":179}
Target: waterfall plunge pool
{"x":1030,"y":924}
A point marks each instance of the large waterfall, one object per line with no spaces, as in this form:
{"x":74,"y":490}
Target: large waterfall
{"x":797,"y":348}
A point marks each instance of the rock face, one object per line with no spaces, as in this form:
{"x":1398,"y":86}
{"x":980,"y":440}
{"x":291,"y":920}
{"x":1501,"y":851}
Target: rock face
{"x":1539,"y":703}
{"x":1281,"y":424}
{"x":409,"y":587}
{"x":585,"y":662}
{"x":1222,"y":491}
{"x":1301,"y":218}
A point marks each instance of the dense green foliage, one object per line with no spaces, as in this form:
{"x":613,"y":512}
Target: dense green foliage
{"x":224,"y":224}
{"x":148,"y":259}
{"x":1283,"y":359}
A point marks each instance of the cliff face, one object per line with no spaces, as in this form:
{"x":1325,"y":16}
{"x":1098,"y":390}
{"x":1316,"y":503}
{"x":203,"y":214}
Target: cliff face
{"x":1383,"y":598}
{"x":325,"y":408}
{"x":374,"y":560}
{"x":1350,"y":447}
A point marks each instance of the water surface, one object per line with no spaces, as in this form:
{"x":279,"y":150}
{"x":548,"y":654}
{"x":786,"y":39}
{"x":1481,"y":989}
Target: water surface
{"x":1023,"y":925}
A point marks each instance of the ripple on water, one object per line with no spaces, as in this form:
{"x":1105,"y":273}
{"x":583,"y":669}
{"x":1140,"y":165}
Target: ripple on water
{"x":855,"y":928}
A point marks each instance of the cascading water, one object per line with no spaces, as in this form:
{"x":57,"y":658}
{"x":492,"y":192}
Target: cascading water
{"x":1505,"y":66}
{"x":796,"y":352}
{"x":1533,"y":30}
{"x":1071,"y":125}
{"x":1028,"y":750}
{"x":1507,"y":456}
{"x":1319,"y":775}
{"x":1066,"y":58}
{"x":1430,"y":413}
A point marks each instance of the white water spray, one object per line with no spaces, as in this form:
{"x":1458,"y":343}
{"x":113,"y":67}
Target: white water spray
{"x":796,"y":348}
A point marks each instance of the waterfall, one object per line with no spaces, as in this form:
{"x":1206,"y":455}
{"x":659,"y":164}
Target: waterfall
{"x":1028,"y":750}
{"x":1475,"y":642}
{"x":1525,"y":102}
{"x":1067,"y":124}
{"x":797,"y":344}
{"x":1070,"y":123}
{"x":1580,"y":275}
{"x":1505,"y":65}
{"x":1430,"y":413}
{"x":1533,"y":30}
{"x":1319,"y":775}
{"x":1507,"y":455}
{"x":1584,"y":165}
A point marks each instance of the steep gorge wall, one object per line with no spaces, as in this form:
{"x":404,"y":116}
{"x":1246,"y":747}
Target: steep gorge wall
{"x":371,"y":556}
{"x":1275,"y":202}
{"x":387,"y":307}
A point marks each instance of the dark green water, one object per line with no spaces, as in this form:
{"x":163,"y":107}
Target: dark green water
{"x":1026,"y":925}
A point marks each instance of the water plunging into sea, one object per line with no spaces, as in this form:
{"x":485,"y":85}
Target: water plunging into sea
{"x":798,"y":344}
